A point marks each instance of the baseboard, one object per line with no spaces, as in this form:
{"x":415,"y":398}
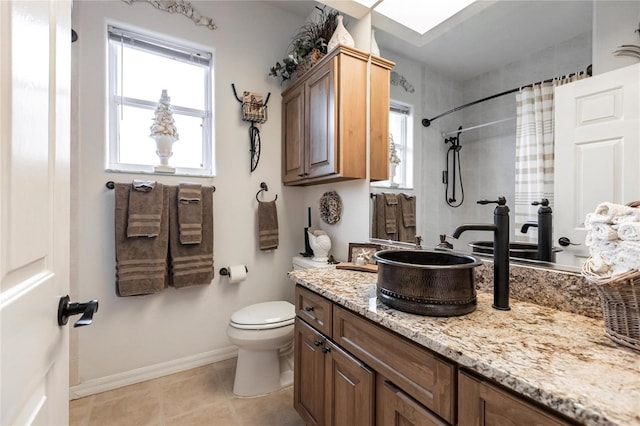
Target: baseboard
{"x":138,"y":375}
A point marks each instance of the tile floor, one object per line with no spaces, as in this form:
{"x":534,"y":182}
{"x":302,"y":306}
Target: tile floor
{"x":202,"y":396}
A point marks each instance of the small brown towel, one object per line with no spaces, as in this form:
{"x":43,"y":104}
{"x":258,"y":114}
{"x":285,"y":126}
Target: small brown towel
{"x":408,"y":207}
{"x":407,"y":227}
{"x":141,"y":263}
{"x":391,"y":201}
{"x":145,"y":209}
{"x":268,"y":225}
{"x":191,"y":264}
{"x":190,"y":213}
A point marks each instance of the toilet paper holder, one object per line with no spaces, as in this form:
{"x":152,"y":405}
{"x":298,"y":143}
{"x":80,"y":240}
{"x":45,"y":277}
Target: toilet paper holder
{"x":225,"y":271}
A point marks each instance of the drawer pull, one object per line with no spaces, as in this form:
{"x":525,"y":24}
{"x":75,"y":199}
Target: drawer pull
{"x":309,"y":308}
{"x":326,"y":350}
{"x":318,"y":343}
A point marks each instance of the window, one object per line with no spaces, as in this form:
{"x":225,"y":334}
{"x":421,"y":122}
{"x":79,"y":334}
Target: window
{"x":401,"y":130}
{"x":140,"y":67}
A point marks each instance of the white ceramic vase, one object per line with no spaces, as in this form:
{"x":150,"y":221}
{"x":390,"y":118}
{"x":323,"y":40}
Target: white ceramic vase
{"x":392,"y":175}
{"x":375,"y":50}
{"x":164,"y":144}
{"x":320,"y":244}
{"x":340,"y":36}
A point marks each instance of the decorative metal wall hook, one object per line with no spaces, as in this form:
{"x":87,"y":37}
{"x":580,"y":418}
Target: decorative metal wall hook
{"x":254,"y":110}
{"x":263,"y":187}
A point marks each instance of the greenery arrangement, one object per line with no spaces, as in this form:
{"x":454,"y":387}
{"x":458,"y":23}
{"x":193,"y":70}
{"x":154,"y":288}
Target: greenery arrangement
{"x":314,"y":35}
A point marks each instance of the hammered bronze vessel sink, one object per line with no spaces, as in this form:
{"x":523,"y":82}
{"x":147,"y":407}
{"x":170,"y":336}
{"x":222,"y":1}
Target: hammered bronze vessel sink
{"x":426,"y":282}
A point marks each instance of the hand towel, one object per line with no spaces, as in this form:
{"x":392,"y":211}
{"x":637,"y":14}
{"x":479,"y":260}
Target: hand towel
{"x":145,"y":209}
{"x":407,"y":226}
{"x":191,"y":264}
{"x":267,"y":225}
{"x":391,"y":204}
{"x":379,"y":226}
{"x":190,"y":213}
{"x":141,"y":263}
{"x":143,"y":185}
{"x":629,"y":231}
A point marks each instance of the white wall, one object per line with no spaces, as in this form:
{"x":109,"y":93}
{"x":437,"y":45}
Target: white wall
{"x":614,"y":24}
{"x":141,"y":335}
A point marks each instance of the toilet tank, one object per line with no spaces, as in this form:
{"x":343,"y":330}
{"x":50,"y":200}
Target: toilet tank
{"x":300,"y":262}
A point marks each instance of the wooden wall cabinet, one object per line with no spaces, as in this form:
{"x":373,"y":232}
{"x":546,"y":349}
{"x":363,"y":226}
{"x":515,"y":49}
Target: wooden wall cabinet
{"x":379,"y":127}
{"x":324,"y":119}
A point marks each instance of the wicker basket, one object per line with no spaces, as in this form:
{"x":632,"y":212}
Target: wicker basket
{"x":620,"y":298}
{"x":309,"y":61}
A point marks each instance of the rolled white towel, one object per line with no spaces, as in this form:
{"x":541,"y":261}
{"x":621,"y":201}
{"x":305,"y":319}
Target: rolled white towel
{"x":628,"y":255}
{"x":629,"y":231}
{"x":597,"y":265}
{"x":615,"y":213}
{"x":607,"y":250}
{"x":603,"y":231}
{"x":593,"y":218}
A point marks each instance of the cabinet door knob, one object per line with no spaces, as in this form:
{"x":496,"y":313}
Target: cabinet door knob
{"x":317,"y":343}
{"x":300,"y":174}
{"x":309,"y":308}
{"x":325,"y":350}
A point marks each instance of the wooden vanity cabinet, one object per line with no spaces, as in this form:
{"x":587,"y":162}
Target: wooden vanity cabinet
{"x":484,"y":404}
{"x":330,"y":386}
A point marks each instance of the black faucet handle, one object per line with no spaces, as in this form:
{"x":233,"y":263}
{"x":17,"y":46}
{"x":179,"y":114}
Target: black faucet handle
{"x":501,"y":201}
{"x":544,"y":202}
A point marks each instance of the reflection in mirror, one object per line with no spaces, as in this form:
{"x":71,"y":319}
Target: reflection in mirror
{"x":506,"y":45}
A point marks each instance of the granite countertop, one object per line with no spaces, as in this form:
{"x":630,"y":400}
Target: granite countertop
{"x":562,"y":360}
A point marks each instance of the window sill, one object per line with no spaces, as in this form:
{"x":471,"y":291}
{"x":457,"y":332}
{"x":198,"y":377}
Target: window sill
{"x":147,"y":172}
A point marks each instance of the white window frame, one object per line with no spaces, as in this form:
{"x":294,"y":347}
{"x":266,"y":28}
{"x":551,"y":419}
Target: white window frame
{"x":171,"y":50}
{"x":404,"y":147}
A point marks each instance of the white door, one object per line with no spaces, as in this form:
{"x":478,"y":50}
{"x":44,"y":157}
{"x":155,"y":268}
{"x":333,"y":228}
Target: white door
{"x":34,"y":210}
{"x":597,"y":151}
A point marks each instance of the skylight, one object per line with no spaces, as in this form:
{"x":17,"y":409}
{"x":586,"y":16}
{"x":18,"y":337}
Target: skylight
{"x":417,"y":15}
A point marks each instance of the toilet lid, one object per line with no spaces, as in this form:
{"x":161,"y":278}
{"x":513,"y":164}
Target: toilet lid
{"x":264,"y":316}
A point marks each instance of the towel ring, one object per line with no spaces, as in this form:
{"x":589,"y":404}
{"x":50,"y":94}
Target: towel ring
{"x":263,"y":187}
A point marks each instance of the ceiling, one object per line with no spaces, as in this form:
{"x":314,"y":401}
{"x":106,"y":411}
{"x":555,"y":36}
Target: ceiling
{"x":480,"y":38}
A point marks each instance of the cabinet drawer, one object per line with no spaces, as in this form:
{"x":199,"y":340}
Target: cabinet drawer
{"x":424,"y":376}
{"x":395,"y":408}
{"x":482,"y":403}
{"x":314,"y":309}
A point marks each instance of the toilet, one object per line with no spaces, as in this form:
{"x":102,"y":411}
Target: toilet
{"x":263,"y":333}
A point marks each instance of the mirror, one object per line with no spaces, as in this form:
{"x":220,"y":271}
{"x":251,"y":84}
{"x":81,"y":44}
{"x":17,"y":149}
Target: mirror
{"x":496,"y":47}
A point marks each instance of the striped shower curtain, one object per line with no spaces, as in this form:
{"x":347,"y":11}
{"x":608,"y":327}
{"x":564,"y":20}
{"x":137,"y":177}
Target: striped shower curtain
{"x":534,"y":151}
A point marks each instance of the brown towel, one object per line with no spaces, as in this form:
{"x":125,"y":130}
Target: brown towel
{"x":391,"y":201}
{"x":408,"y":208}
{"x":144,"y":211}
{"x":268,"y":225}
{"x":191,"y":264}
{"x":190,"y":213}
{"x":141,"y":263}
{"x":407,"y":226}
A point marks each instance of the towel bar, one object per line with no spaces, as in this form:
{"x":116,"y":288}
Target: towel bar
{"x":111,"y":184}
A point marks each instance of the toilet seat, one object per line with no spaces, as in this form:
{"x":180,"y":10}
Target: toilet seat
{"x":264,"y":316}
